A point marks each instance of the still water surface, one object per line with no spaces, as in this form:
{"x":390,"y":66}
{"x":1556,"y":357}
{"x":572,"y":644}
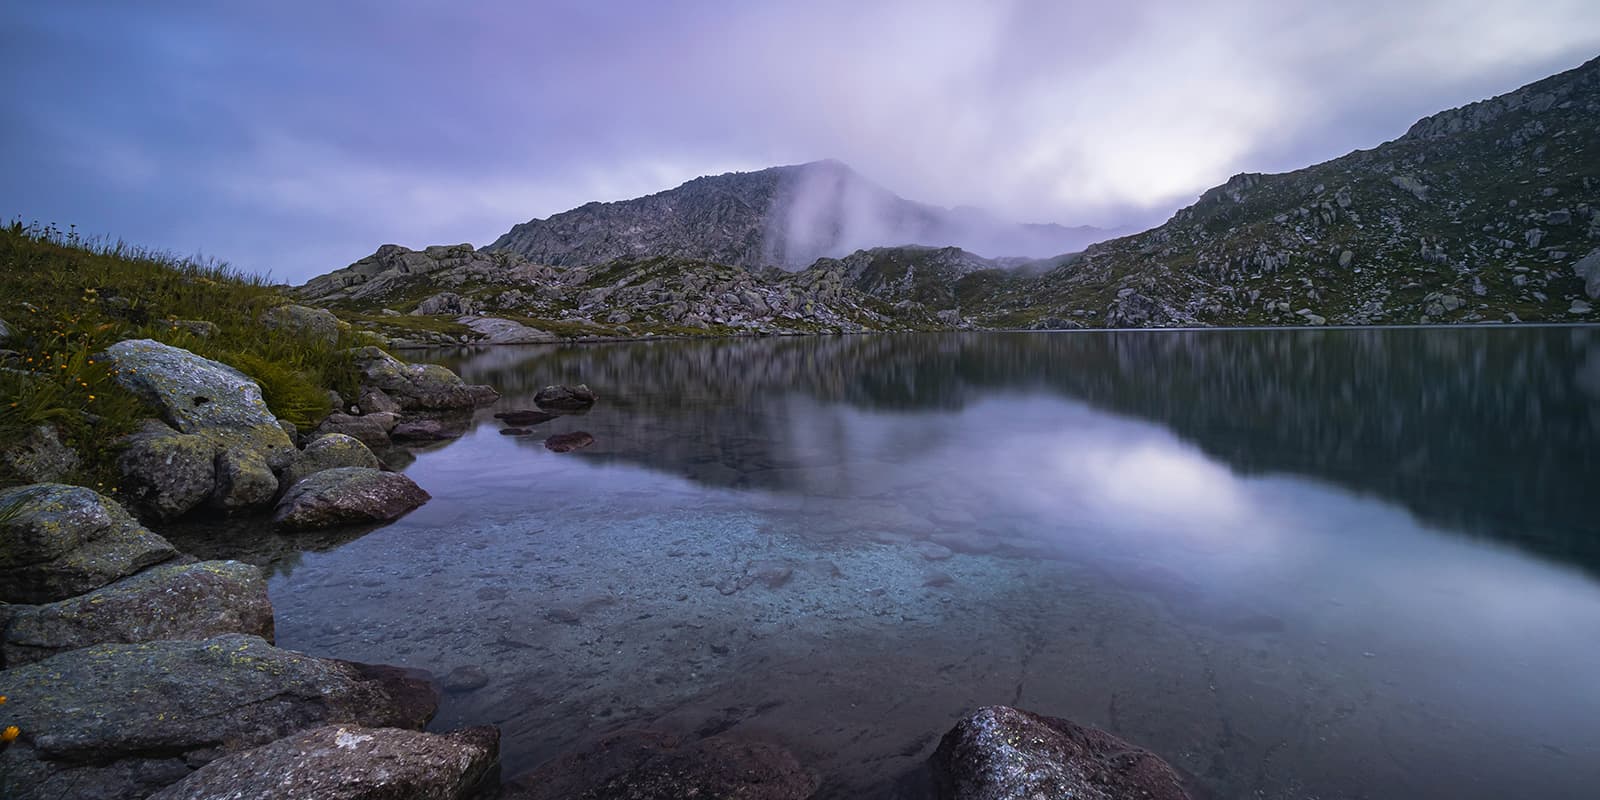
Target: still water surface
{"x":1337,"y":564}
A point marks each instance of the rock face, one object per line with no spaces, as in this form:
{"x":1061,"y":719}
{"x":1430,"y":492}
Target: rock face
{"x":166,"y":473}
{"x":66,"y":540}
{"x":303,"y":321}
{"x":418,"y":386}
{"x":328,"y":451}
{"x":564,"y":398}
{"x":1001,"y":753}
{"x":347,"y":762}
{"x":651,"y":766}
{"x":347,"y":496}
{"x":202,"y":397}
{"x":40,"y":456}
{"x":123,"y":720}
{"x":176,"y":601}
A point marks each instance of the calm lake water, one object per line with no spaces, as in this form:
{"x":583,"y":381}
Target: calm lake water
{"x":1296,"y":564}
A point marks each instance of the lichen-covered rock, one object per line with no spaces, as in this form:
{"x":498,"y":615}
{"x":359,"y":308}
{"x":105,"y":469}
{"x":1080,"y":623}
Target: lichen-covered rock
{"x":167,"y":473}
{"x":347,"y":496}
{"x":328,"y":451}
{"x":304,"y":321}
{"x":62,"y":541}
{"x":203,"y":397}
{"x":123,"y":720}
{"x":373,"y":399}
{"x":371,"y":429}
{"x":170,"y":601}
{"x":651,"y":766}
{"x":1002,"y":753}
{"x":348,"y":762}
{"x":40,"y":456}
{"x":565,"y":398}
{"x":418,"y":386}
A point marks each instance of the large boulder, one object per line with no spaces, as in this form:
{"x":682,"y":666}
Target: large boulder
{"x":418,"y":386}
{"x":447,"y":303}
{"x":123,"y":720}
{"x":347,"y":496}
{"x":170,"y":601}
{"x":328,"y":451}
{"x":203,"y":397}
{"x":59,"y":541}
{"x":371,"y":428}
{"x":653,"y":766}
{"x":1002,"y":753}
{"x":317,"y":324}
{"x":346,"y":762}
{"x":166,"y":473}
{"x":40,"y":456}
{"x":564,"y":398}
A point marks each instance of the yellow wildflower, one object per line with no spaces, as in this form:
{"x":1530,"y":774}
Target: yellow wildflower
{"x":10,"y":734}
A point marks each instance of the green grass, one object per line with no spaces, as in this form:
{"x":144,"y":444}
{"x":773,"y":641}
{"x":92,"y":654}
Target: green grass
{"x":66,"y":299}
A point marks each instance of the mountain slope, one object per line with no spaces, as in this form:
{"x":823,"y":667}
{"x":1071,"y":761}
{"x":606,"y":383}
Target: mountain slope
{"x":1482,"y":213}
{"x":783,"y":216}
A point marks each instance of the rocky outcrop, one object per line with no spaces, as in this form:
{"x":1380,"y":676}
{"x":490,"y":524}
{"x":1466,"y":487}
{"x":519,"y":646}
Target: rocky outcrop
{"x":348,"y":762}
{"x":167,"y":474}
{"x":175,"y":601}
{"x":303,"y":322}
{"x":653,"y":766}
{"x":393,"y":270}
{"x":418,"y":386}
{"x":202,"y":397}
{"x":347,"y":496}
{"x":123,"y":720}
{"x":564,"y":398}
{"x":328,"y":451}
{"x":60,"y":541}
{"x":1001,"y":753}
{"x":446,"y":303}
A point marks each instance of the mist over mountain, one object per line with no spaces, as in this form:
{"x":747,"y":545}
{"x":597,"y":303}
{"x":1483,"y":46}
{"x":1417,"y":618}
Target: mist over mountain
{"x":786,"y":216}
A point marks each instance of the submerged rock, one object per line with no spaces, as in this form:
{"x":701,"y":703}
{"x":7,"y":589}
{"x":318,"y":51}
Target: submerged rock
{"x":418,"y":386}
{"x":347,"y":496}
{"x":651,"y":766}
{"x":1002,"y":753}
{"x":176,"y":601}
{"x":565,"y":398}
{"x":348,"y":762}
{"x":62,"y":541}
{"x":523,"y":419}
{"x":123,"y":720}
{"x":568,"y":442}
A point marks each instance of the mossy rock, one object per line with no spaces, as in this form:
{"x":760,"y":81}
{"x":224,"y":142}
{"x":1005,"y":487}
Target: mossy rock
{"x":61,"y":541}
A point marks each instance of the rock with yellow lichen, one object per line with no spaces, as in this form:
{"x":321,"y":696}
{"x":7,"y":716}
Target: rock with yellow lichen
{"x":61,"y":541}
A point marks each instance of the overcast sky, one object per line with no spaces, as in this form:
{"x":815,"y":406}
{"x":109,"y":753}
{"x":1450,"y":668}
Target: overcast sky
{"x":296,"y":137}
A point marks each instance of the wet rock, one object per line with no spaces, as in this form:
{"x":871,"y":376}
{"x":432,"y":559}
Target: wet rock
{"x":565,"y":398}
{"x":203,"y":397}
{"x":63,"y":541}
{"x":303,"y":322}
{"x":371,"y":429}
{"x":347,"y":496}
{"x":523,"y":419}
{"x":465,"y":679}
{"x":174,"y":601}
{"x":418,"y":386}
{"x":973,"y":542}
{"x":1002,"y":753}
{"x":328,"y":451}
{"x":40,"y":456}
{"x":347,"y":762}
{"x":568,"y":442}
{"x":514,"y":431}
{"x":123,"y":720}
{"x":651,"y":766}
{"x":933,"y":551}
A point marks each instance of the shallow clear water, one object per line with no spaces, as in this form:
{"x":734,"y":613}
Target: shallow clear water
{"x":1338,"y":564}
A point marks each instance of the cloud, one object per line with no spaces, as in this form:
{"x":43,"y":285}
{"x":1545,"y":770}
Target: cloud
{"x":305,"y":134}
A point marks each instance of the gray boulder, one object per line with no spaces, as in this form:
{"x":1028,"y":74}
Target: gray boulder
{"x":166,"y":473}
{"x":328,"y":451}
{"x":565,"y":398}
{"x":304,"y":321}
{"x":1002,"y":753}
{"x":447,"y":303}
{"x":347,"y":762}
{"x":372,"y":400}
{"x":347,"y":496}
{"x":203,"y":397}
{"x":40,"y":456}
{"x":124,"y":720}
{"x":171,"y":601}
{"x":1588,"y":270}
{"x":61,"y":541}
{"x":652,"y":766}
{"x":372,"y":428}
{"x":418,"y":386}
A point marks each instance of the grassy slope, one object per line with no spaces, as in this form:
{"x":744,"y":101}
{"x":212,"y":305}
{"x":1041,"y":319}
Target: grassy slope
{"x":65,"y":300}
